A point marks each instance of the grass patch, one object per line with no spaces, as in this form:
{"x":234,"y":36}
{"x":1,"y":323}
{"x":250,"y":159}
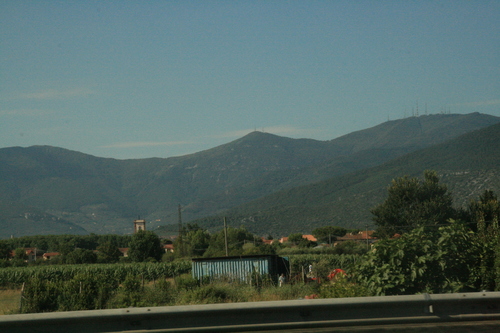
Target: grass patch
{"x":287,"y":292}
{"x":9,"y":301}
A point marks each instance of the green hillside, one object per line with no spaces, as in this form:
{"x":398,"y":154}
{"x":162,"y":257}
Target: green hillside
{"x":349,"y":153}
{"x":104,"y":195}
{"x":468,"y":165}
{"x":17,"y":219}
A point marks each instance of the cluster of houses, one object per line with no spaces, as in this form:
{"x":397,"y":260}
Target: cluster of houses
{"x":239,"y":267}
{"x":34,"y":254}
{"x":361,"y":236}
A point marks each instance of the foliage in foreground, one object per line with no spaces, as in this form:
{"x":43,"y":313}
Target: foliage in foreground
{"x":449,"y":259}
{"x":343,"y":286}
{"x":83,"y":293}
{"x":97,"y":288}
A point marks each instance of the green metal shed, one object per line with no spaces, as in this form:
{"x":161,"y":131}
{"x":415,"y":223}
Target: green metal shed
{"x":240,"y":267}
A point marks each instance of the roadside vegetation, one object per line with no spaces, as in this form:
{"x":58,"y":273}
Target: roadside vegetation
{"x":9,"y":300}
{"x":84,"y":293}
{"x":102,"y":286}
{"x":425,"y":245}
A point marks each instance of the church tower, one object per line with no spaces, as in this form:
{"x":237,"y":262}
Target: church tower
{"x":139,"y":225}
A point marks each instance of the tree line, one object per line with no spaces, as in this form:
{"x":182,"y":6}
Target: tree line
{"x":428,"y":245}
{"x":193,"y":241}
{"x":413,"y":203}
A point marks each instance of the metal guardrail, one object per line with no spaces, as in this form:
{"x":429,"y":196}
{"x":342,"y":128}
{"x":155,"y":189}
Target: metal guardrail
{"x":275,"y":315}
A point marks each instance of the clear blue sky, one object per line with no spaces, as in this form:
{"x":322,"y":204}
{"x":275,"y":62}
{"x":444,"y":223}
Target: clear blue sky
{"x":135,"y":79}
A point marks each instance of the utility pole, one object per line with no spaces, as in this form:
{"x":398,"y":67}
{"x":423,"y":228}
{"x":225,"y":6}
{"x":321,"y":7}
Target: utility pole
{"x":225,"y":237}
{"x":180,"y":218}
{"x":180,"y":243}
{"x":367,"y":246}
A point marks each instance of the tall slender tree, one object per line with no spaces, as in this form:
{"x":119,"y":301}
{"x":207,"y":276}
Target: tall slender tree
{"x":485,"y":212}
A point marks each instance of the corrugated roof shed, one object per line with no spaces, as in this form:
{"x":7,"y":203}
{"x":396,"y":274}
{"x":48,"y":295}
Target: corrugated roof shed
{"x":240,"y":267}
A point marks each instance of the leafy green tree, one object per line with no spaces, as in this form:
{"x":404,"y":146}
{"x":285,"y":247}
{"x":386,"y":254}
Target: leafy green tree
{"x":257,"y":248}
{"x":4,"y":251}
{"x":446,"y":260}
{"x":298,"y":240}
{"x":80,"y":256}
{"x":108,"y":252}
{"x":412,"y":203}
{"x":20,"y":254}
{"x":329,"y":233}
{"x":236,"y":238}
{"x":295,"y":238}
{"x":351,"y":247}
{"x":145,"y":245}
{"x":65,"y":246}
{"x":193,"y":242}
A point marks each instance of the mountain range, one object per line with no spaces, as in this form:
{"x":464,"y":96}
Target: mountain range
{"x":270,"y":184}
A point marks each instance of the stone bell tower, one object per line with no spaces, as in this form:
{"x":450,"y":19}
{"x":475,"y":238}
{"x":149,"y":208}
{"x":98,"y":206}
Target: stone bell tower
{"x":139,"y":225}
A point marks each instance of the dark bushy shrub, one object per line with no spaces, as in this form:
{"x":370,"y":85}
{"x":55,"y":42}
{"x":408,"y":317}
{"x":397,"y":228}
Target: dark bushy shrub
{"x":186,"y":282}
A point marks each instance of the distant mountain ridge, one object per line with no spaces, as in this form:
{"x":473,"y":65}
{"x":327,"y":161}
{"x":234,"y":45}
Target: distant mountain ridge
{"x":415,"y":132}
{"x":82,"y":193}
{"x":468,"y":165}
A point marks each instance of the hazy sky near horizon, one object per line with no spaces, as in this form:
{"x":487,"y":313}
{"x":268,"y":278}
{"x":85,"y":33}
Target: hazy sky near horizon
{"x":136,"y":79}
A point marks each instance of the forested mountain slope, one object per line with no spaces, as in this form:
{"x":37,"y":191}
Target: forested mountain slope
{"x":83,"y":193}
{"x":468,"y":165}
